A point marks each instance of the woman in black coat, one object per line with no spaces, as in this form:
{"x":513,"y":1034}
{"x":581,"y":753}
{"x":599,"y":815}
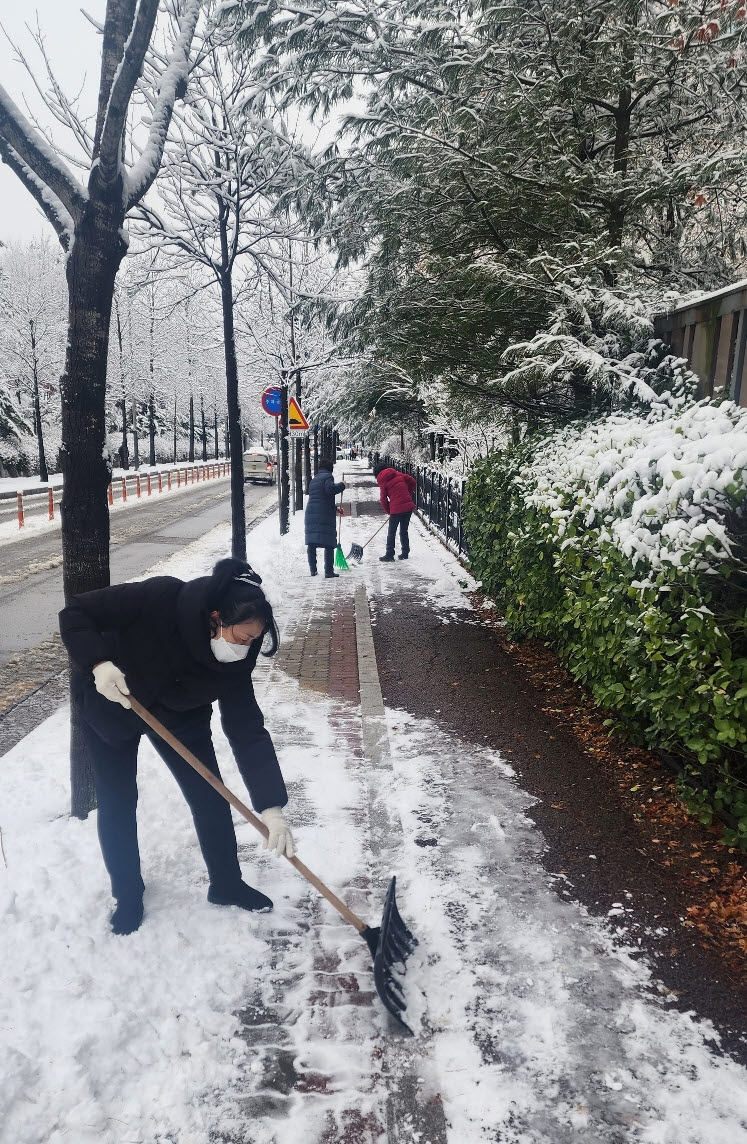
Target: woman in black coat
{"x":320,"y":521}
{"x":178,"y":646}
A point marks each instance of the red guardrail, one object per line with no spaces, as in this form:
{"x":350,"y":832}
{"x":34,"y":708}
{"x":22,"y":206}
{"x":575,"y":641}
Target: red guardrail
{"x":199,"y":472}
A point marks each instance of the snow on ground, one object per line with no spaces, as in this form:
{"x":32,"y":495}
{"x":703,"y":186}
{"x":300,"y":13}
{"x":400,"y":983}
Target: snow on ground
{"x":38,"y":520}
{"x":29,"y":484}
{"x":33,"y":484}
{"x":544,"y":1030}
{"x":539,"y":1028}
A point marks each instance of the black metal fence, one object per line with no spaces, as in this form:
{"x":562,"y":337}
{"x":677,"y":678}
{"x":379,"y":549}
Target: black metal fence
{"x":438,"y":500}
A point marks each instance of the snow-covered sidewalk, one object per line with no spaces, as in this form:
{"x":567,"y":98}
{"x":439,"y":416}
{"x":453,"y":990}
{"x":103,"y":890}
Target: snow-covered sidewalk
{"x":213,"y":1025}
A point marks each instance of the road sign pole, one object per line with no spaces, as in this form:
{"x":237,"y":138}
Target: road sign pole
{"x":298,"y":459}
{"x":274,"y":402}
{"x":277,"y":461}
{"x":283,"y":459}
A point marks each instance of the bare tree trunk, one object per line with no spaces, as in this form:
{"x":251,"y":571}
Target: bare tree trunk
{"x":297,"y":447}
{"x":191,"y":427}
{"x":174,"y":450}
{"x":215,"y":430}
{"x":621,"y":156}
{"x":89,"y":222}
{"x":238,"y":514}
{"x":204,"y":428}
{"x":135,"y":443}
{"x":91,"y":270}
{"x":123,"y":451}
{"x":306,"y":463}
{"x":43,"y":473}
{"x":151,"y":428}
{"x":152,"y":391}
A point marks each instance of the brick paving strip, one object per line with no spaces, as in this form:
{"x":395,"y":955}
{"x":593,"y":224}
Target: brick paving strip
{"x":330,"y":653}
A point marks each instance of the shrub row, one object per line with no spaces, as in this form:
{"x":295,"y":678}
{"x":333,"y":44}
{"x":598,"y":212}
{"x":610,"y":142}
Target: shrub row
{"x":621,"y":542}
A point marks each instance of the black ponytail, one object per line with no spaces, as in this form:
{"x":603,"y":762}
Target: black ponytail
{"x":236,"y":596}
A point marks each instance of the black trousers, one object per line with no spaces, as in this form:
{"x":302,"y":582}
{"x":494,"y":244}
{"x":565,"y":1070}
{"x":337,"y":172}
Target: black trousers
{"x":113,"y":736}
{"x":329,"y":559}
{"x":399,"y":520}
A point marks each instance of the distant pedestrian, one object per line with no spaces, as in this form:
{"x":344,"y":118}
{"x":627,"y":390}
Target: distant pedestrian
{"x":320,"y":521}
{"x":396,"y":492}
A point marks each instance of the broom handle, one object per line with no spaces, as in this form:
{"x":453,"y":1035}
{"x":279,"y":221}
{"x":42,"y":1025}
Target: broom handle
{"x":339,"y":523}
{"x":244,"y":810}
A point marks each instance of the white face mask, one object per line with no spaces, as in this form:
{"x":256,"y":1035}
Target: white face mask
{"x":226,"y":652}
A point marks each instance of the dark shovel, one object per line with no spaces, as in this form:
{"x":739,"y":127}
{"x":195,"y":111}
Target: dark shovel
{"x":356,"y":550}
{"x":390,"y":944}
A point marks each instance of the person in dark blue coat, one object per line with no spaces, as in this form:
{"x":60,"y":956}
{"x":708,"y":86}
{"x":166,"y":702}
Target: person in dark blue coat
{"x":320,"y":521}
{"x":177,"y":646}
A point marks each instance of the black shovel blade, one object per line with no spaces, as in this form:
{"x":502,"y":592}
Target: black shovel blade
{"x":390,"y":946}
{"x":355,"y":553}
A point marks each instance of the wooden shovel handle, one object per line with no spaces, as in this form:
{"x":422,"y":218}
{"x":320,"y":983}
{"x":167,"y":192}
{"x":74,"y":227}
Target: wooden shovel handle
{"x":243,"y":809}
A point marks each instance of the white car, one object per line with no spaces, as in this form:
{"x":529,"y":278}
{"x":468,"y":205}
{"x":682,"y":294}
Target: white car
{"x":258,"y":466}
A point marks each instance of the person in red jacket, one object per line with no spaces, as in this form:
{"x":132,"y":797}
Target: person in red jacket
{"x":396,"y":492}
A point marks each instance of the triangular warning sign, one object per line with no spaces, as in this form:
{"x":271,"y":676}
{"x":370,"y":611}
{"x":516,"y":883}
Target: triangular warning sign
{"x":296,"y":419}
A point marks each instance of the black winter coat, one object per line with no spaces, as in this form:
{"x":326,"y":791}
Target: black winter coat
{"x":158,"y":633}
{"x":320,"y":521}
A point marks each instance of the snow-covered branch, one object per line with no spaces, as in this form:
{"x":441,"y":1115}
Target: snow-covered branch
{"x":123,"y":84}
{"x":40,"y":168}
{"x":172,"y":81}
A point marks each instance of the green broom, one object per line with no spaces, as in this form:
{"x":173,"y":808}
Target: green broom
{"x":340,"y":562}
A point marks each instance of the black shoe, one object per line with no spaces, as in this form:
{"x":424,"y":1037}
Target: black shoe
{"x":403,"y":556}
{"x":331,"y":576}
{"x":386,"y":559}
{"x":127,"y":916}
{"x":243,"y":896}
{"x":313,"y":573}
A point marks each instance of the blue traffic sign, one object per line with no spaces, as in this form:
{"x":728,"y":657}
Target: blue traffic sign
{"x":271,"y":401}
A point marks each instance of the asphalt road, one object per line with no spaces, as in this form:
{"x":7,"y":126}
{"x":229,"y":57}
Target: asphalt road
{"x":31,"y":655}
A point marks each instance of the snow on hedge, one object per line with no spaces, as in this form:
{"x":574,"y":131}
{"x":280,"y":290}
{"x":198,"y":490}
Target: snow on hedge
{"x":657,"y":487}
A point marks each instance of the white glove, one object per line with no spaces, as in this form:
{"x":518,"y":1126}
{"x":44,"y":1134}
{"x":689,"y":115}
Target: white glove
{"x":111,"y":683}
{"x":280,"y":840}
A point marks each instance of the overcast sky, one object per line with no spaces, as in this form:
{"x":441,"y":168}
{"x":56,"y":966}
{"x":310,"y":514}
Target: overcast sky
{"x":74,"y":48}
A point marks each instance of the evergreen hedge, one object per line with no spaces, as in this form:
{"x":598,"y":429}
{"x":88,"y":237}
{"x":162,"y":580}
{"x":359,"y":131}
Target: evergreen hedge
{"x":621,"y":542}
